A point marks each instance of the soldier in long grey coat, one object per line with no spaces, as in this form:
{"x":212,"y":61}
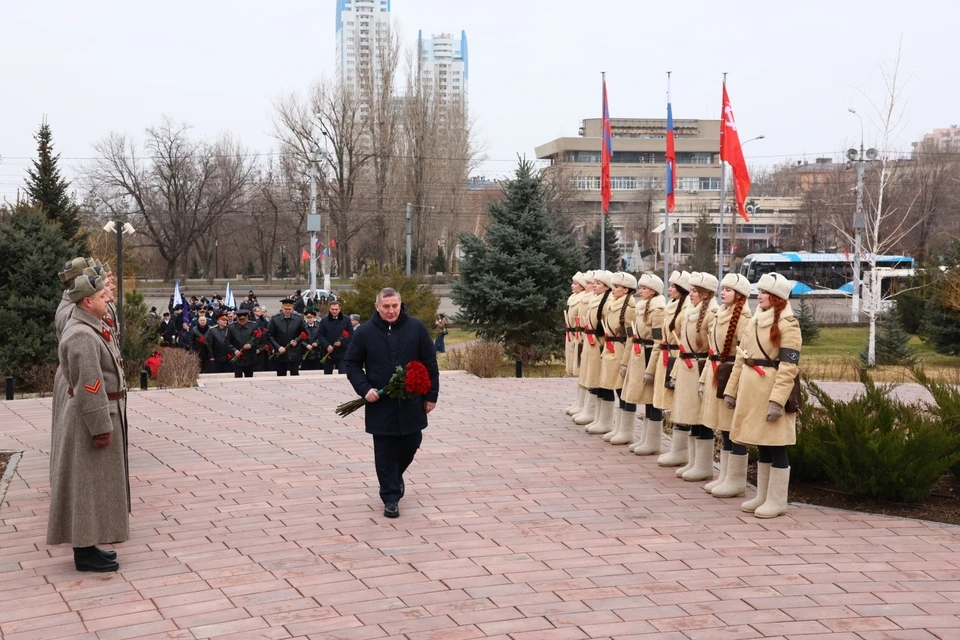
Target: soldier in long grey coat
{"x":90,"y":490}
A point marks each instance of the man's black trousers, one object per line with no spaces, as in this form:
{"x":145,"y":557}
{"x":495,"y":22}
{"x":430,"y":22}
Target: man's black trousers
{"x":292,"y":367}
{"x":330,"y":364}
{"x":393,"y":454}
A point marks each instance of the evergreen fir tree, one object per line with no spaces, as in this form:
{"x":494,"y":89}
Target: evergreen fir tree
{"x":50,"y":191}
{"x":514,"y":281}
{"x":195,"y":272}
{"x":941,"y":324}
{"x":611,"y":256}
{"x":248,"y":269}
{"x":809,"y":327}
{"x":283,"y":269}
{"x":704,"y":256}
{"x":32,"y":251}
{"x":892,"y":346}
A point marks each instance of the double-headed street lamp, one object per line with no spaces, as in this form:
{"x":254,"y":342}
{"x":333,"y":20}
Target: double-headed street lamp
{"x":860,"y":157}
{"x":120,"y":228}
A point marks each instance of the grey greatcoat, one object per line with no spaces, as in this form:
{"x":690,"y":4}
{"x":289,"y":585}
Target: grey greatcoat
{"x":89,"y":487}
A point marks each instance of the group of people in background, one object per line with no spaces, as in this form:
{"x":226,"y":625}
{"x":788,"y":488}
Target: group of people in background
{"x":712,"y":367}
{"x":247,"y":339}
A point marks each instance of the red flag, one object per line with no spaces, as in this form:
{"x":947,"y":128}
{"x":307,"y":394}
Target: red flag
{"x":304,"y":256}
{"x":605,"y":153}
{"x":732,"y":153}
{"x":333,"y":243}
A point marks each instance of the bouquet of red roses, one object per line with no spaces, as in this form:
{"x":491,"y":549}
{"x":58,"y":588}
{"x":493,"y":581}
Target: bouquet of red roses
{"x":404,"y":383}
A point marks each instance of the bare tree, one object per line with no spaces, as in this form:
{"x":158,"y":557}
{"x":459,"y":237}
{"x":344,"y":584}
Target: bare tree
{"x":178,"y":190}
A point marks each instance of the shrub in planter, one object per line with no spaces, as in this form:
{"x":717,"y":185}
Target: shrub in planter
{"x":807,"y":457}
{"x":179,"y":368}
{"x":946,"y":405}
{"x":874,"y":445}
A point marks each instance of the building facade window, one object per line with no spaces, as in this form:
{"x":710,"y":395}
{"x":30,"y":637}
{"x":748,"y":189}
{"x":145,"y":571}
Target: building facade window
{"x":586,"y":182}
{"x":688,"y":184}
{"x":588,"y":156}
{"x":623,"y":183}
{"x":710,"y":184}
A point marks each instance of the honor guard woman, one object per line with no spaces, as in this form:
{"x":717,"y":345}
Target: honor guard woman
{"x":726,"y":330}
{"x":620,"y":314}
{"x":586,"y":407}
{"x":592,"y":350}
{"x":570,"y":343}
{"x":647,"y":330}
{"x":763,"y":380}
{"x":692,"y":334}
{"x":664,"y":355}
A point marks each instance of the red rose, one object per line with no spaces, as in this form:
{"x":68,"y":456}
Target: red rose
{"x":346,"y":334}
{"x":417,"y":379}
{"x":257,"y":333}
{"x":303,"y":335}
{"x":202,"y":340}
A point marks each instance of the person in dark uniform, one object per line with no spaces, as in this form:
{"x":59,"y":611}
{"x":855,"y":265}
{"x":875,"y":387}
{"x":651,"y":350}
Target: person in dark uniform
{"x":218,"y":347}
{"x":284,"y":336}
{"x":199,"y":335}
{"x":311,"y":345}
{"x":335,"y":333}
{"x":240,"y":338}
{"x":299,"y":304}
{"x":261,"y":322}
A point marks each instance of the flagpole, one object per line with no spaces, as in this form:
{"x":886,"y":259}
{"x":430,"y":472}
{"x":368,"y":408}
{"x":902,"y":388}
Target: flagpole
{"x":603,"y":226}
{"x":666,"y":211}
{"x":723,"y":189}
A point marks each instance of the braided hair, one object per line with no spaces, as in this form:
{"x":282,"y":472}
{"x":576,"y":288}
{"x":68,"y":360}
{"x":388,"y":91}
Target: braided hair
{"x":683,"y":298}
{"x":646,"y":309}
{"x":603,"y":301}
{"x":623,"y":309}
{"x":704,"y":297}
{"x":778,"y":304}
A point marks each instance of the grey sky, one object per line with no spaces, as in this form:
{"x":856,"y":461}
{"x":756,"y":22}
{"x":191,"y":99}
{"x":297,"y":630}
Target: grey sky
{"x":97,"y":66}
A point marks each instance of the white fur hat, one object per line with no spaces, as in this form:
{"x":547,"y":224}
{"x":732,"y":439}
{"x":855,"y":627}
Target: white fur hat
{"x":681,"y":279}
{"x":580,"y":278}
{"x":603,"y":276}
{"x":704,"y":280}
{"x":624,"y":279}
{"x":736,"y":282}
{"x":775,"y":284}
{"x":652,"y":281}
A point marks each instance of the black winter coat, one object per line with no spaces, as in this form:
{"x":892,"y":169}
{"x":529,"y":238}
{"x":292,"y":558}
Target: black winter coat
{"x":217,"y":344}
{"x":281,"y":331}
{"x":237,"y":337}
{"x":374,"y":354}
{"x":313,"y":337}
{"x":331,"y":330}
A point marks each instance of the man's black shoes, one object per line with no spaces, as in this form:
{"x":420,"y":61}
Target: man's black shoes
{"x":90,"y":559}
{"x":401,"y":489}
{"x":109,"y":555}
{"x":391,"y":510}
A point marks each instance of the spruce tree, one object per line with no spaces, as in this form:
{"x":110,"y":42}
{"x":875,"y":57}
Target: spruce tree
{"x":893,"y":342}
{"x":32,"y":251}
{"x":611,"y":258}
{"x":283,"y":269}
{"x":809,"y":327}
{"x":704,"y":256}
{"x":50,"y":191}
{"x":515,"y":280}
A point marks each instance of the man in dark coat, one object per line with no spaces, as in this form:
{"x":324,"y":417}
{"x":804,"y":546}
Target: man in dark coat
{"x":390,"y":339}
{"x":241,"y":339}
{"x":284,"y":336}
{"x":218,"y":347}
{"x":335,"y":333}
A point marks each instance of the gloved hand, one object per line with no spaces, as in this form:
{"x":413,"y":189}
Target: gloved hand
{"x":671,"y":383}
{"x":647,"y":378}
{"x":774,"y":412}
{"x":700,"y":390}
{"x":623,"y":371}
{"x":730,"y":402}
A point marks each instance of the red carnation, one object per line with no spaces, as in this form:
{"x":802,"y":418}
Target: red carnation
{"x":229,"y":357}
{"x":418,"y":379}
{"x":303,"y":335}
{"x":257,"y":333}
{"x":201,"y":339}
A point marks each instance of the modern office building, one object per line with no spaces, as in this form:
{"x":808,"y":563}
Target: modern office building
{"x":444,"y":64}
{"x":361,"y":24}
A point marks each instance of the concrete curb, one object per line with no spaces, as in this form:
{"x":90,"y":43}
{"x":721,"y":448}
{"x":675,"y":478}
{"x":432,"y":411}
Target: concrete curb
{"x":8,"y":474}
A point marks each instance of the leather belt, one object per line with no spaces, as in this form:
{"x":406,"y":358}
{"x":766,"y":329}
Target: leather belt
{"x":570,"y":330}
{"x":757,"y":362}
{"x":699,"y":356}
{"x":644,"y":341}
{"x":665,"y":345}
{"x":718,"y":358}
{"x":112,"y":396}
{"x":616,"y":339}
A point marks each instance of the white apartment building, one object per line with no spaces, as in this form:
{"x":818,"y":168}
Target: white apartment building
{"x":360,"y":24}
{"x":444,"y":64}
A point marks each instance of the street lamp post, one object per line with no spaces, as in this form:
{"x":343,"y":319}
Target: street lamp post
{"x":860,"y":158}
{"x":733,"y":212}
{"x":120,"y":228}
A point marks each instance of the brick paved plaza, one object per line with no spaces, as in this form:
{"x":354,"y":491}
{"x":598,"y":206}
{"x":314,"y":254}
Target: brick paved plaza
{"x":256,"y":515}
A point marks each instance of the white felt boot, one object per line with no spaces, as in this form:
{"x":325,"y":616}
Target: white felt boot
{"x":735,"y":478}
{"x":617,"y":423}
{"x":677,"y":456}
{"x":652,"y":438}
{"x":703,"y":465}
{"x":776,"y":502}
{"x":691,"y":454}
{"x":604,"y":421}
{"x":724,"y":455}
{"x":628,"y":426}
{"x":763,"y":478}
{"x":577,"y":405}
{"x":589,"y":412}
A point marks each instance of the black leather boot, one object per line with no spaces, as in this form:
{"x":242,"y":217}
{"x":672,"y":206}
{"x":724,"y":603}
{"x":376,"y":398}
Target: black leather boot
{"x":109,"y":555}
{"x":89,"y":559}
